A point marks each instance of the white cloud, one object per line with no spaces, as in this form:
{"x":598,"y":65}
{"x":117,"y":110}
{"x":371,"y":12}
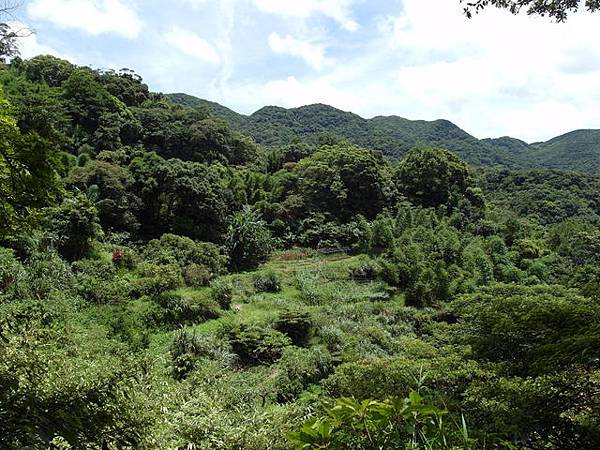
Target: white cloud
{"x":312,"y":54}
{"x":91,"y":16}
{"x":192,"y":45}
{"x":289,"y":93}
{"x":497,"y":73}
{"x":293,"y":93}
{"x":494,"y":75}
{"x":338,"y":10}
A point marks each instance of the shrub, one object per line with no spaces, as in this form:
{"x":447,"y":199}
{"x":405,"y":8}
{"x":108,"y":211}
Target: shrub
{"x":298,"y":369}
{"x":11,"y":270}
{"x":97,"y":268}
{"x":187,"y":348}
{"x":309,"y":286}
{"x":266,"y":282}
{"x":196,"y":275}
{"x":125,"y":258}
{"x":179,"y":309}
{"x":183,"y":251}
{"x":156,"y":279}
{"x":248,"y":241}
{"x":222,"y":293}
{"x":538,"y":329}
{"x":258,"y":345}
{"x":103,"y":292}
{"x":332,"y":337}
{"x":297,"y":325}
{"x":73,"y":226}
{"x":128,"y":324}
{"x":47,"y":274}
{"x":365,"y":270}
{"x":410,"y":423}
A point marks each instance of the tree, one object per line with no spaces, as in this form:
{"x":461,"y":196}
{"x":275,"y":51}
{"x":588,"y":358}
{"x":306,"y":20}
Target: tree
{"x":111,"y":185}
{"x":73,"y":227}
{"x":180,"y":197}
{"x":174,"y":131}
{"x":8,"y":35}
{"x":89,"y":103}
{"x":47,"y":69}
{"x":557,"y":9}
{"x":537,"y":329}
{"x":248,"y":240}
{"x":36,"y":107}
{"x":28,"y":177}
{"x":344,"y":180}
{"x":433,"y":177}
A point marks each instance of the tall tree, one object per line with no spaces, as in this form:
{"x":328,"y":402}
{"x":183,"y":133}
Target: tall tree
{"x":344,"y":180}
{"x":431,"y":177}
{"x":28,"y":177}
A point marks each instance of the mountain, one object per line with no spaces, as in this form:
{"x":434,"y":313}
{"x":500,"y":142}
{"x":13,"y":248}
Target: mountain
{"x":578,"y":150}
{"x":394,"y":136}
{"x":514,"y":146}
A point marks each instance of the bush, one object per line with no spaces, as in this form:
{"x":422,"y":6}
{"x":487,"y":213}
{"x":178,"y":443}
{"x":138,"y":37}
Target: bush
{"x":410,"y":423}
{"x":537,"y":329}
{"x":222,"y":293}
{"x":196,"y":275}
{"x":187,"y":348}
{"x":248,"y":241}
{"x":179,"y":309}
{"x":103,"y":292}
{"x":266,"y":282}
{"x":73,"y":226}
{"x":309,"y":286}
{"x":156,"y":279}
{"x":183,"y":251}
{"x":445,"y":370}
{"x":298,"y":369}
{"x":47,"y":274}
{"x":124,"y":257}
{"x":11,"y":270}
{"x":297,"y":325}
{"x":97,"y":268}
{"x":256,"y":345}
{"x":128,"y":322}
{"x":365,"y":270}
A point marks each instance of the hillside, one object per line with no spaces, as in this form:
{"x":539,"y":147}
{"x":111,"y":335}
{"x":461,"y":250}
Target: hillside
{"x":394,"y":136}
{"x":578,"y":150}
{"x":167,"y":283}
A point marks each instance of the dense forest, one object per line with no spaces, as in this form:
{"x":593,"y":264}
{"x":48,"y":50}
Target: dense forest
{"x":177,"y":276}
{"x":394,"y":136}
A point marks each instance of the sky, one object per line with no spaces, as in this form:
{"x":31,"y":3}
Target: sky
{"x":493,"y":75}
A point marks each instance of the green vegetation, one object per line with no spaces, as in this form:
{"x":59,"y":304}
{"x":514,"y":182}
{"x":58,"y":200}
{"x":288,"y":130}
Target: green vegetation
{"x":395,"y":136}
{"x":167,"y":283}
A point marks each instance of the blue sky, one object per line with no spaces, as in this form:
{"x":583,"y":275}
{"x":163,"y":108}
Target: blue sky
{"x":493,"y":75}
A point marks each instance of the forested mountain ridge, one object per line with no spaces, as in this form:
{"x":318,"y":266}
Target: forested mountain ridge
{"x":577,"y":150}
{"x":392,"y":135}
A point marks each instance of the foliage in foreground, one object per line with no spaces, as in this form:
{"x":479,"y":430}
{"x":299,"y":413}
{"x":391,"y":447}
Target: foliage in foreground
{"x":409,"y":423}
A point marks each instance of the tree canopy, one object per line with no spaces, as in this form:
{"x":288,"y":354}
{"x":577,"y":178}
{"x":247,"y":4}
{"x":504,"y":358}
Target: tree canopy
{"x":556,"y":9}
